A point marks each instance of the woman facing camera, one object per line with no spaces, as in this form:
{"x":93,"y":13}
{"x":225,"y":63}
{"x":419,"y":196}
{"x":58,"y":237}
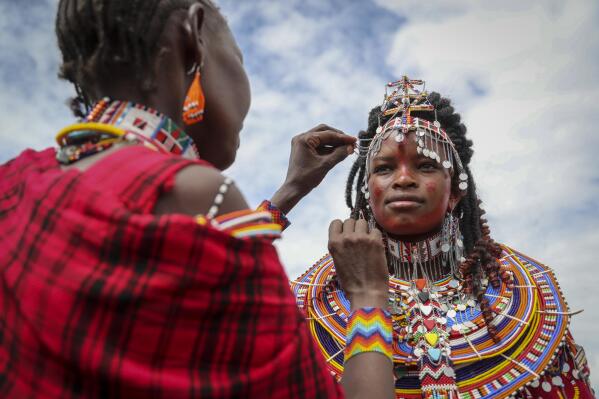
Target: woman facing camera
{"x":459,"y":315}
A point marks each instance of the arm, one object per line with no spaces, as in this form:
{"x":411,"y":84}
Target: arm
{"x":194,"y":192}
{"x":313,"y":155}
{"x":361,"y":268}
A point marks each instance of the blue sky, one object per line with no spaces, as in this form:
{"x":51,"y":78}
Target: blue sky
{"x":523,"y":74}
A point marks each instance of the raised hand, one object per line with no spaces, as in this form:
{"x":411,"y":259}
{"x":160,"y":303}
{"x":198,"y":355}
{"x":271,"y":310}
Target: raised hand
{"x":313,"y":155}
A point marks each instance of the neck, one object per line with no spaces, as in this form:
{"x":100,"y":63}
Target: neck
{"x":432,"y":258}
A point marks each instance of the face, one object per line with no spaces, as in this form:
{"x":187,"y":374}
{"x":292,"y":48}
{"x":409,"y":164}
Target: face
{"x":409,"y":193}
{"x":227,"y":91}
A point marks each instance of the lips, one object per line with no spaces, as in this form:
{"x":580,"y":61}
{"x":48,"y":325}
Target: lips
{"x":403,"y":198}
{"x":403,"y":202}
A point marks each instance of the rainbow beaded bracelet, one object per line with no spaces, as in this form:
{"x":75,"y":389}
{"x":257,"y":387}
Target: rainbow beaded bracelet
{"x":369,"y":330}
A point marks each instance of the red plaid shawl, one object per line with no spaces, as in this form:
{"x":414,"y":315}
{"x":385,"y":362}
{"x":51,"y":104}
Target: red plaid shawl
{"x":100,"y":298}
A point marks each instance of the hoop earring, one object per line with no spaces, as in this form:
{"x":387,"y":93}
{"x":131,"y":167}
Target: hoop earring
{"x":195,"y":102}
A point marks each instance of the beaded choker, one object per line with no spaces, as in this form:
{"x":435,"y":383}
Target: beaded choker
{"x":431,"y":259}
{"x":112,"y":121}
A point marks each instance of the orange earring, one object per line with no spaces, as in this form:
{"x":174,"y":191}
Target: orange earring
{"x":193,"y":107}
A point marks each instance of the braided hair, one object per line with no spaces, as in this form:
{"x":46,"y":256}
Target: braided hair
{"x":95,"y":36}
{"x":480,"y":250}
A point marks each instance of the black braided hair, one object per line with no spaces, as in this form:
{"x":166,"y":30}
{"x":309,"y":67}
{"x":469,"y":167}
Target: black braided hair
{"x":96,"y":36}
{"x":481,"y":251}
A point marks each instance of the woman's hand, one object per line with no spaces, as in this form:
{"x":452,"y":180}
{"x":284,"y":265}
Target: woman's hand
{"x":313,"y":155}
{"x":360,"y":262}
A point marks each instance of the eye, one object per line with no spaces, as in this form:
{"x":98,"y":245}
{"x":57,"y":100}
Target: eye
{"x":428,"y":166}
{"x":382,"y":168}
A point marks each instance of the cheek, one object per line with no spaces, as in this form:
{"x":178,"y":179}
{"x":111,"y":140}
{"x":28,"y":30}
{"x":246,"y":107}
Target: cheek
{"x":431,"y":187}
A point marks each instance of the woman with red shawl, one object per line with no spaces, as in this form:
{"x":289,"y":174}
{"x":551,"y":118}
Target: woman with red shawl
{"x":129,"y":265}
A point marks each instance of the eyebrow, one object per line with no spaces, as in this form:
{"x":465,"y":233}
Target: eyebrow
{"x":384,"y":159}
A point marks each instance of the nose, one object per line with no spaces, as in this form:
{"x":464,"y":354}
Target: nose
{"x":404,"y":178}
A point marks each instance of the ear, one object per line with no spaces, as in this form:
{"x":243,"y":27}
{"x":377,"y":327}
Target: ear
{"x":194,"y":32}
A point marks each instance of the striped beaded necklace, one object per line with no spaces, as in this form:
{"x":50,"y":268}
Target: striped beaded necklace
{"x":112,"y":121}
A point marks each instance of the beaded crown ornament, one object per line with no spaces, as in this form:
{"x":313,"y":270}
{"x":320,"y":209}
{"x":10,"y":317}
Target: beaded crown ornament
{"x":432,"y":141}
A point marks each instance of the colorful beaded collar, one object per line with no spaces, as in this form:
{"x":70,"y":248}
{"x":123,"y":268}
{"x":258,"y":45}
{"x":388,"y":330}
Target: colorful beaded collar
{"x":531,"y":321}
{"x":113,"y":121}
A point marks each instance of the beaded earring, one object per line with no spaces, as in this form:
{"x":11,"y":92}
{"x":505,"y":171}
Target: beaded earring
{"x":193,"y":107}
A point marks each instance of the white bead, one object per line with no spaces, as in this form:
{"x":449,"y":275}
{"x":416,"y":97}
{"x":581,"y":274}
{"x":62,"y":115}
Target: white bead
{"x":566,"y":368}
{"x":546,"y":386}
{"x":534,"y":383}
{"x":218,"y":199}
{"x":557,"y":381}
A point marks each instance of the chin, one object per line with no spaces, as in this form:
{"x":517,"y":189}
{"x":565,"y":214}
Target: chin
{"x":226,"y":160}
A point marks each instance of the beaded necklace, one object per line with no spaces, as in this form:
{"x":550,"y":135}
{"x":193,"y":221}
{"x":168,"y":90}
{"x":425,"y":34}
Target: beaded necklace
{"x":531,"y":321}
{"x":111,"y":122}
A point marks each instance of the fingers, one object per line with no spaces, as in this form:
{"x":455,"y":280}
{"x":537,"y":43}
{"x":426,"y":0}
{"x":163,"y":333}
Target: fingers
{"x":335,"y":228}
{"x":334,"y":138}
{"x":323,"y":127}
{"x":349,"y":225}
{"x":361,"y":226}
{"x":338,"y":155}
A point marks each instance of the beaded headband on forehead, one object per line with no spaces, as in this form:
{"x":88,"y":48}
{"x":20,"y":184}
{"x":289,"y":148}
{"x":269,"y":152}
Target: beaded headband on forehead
{"x":431,"y":140}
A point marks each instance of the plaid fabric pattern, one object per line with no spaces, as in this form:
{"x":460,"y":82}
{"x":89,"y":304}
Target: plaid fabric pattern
{"x":99,"y":298}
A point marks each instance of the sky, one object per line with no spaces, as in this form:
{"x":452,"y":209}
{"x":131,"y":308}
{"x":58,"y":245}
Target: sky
{"x":522,"y":73}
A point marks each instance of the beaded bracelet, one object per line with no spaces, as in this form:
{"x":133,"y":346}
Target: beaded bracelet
{"x":369,"y":330}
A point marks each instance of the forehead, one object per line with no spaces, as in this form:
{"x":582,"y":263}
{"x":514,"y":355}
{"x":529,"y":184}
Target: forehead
{"x":390,"y":146}
{"x":408,"y":149}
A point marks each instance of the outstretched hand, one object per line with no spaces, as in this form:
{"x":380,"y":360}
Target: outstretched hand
{"x":313,"y":155}
{"x":360,"y":262}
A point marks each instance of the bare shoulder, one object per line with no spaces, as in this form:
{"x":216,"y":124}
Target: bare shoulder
{"x":194,"y":192}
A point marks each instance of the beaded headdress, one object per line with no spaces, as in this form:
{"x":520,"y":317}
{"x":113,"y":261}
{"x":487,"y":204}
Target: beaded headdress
{"x":401,"y":99}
